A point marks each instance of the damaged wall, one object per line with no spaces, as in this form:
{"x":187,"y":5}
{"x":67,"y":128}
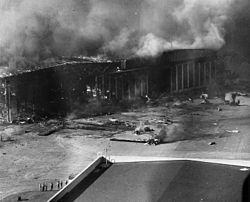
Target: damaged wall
{"x":192,"y":69}
{"x":58,"y":89}
{"x":55,"y":90}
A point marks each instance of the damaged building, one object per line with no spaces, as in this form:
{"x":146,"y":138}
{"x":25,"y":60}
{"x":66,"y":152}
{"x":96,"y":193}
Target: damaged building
{"x":57,"y":89}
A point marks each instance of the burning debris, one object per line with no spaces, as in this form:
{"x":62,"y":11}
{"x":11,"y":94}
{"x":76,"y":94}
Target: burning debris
{"x":233,"y":131}
{"x":50,"y":130}
{"x":204,"y":97}
{"x":139,"y":129}
{"x":152,"y":141}
{"x":231,"y":98}
{"x":157,"y":139}
{"x":143,"y":127}
{"x":178,"y":103}
{"x":212,"y":143}
{"x":91,"y":124}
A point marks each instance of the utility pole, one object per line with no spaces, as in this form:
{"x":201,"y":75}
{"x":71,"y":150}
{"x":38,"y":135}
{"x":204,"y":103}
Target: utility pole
{"x":5,"y":94}
{"x":106,"y":154}
{"x":7,"y":100}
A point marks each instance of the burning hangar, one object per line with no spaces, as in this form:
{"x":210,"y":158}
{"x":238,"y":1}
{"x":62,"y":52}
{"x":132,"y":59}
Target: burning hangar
{"x":58,"y":88}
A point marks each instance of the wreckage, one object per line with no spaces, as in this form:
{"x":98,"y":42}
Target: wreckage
{"x":231,"y":98}
{"x":73,"y":85}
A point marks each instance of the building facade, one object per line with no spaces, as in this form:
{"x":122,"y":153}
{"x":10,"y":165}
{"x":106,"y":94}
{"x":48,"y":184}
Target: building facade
{"x":59,"y":88}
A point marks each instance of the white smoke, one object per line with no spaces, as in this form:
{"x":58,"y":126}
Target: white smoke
{"x":34,"y":31}
{"x":206,"y":21}
{"x":195,"y":24}
{"x":150,"y":45}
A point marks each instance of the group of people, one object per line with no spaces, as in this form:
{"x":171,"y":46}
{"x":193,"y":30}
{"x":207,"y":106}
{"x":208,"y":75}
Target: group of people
{"x":50,"y":186}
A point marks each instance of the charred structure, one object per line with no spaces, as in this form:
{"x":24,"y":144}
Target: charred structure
{"x":57,"y":89}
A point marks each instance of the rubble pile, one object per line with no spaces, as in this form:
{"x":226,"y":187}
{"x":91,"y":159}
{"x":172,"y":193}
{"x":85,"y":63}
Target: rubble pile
{"x":92,"y":124}
{"x":150,"y":130}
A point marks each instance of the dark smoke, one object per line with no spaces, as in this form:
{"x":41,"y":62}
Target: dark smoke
{"x":238,"y":29}
{"x":35,"y":32}
{"x":236,"y":51}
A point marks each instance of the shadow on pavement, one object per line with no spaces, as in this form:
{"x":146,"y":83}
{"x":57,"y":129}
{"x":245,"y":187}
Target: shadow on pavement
{"x":246,"y":190}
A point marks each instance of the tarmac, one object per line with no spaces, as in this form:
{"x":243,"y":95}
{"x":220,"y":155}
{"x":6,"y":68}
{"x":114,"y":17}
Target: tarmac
{"x":70,"y":151}
{"x":175,"y":180}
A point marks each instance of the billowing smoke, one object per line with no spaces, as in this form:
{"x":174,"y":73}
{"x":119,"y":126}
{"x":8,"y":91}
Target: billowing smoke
{"x":35,"y":32}
{"x":237,"y":28}
{"x":183,"y":24}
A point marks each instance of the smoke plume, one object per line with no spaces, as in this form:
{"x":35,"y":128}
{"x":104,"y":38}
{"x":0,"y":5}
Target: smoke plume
{"x":32,"y":32}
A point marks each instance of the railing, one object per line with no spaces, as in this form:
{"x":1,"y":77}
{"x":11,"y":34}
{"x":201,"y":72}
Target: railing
{"x":77,"y":179}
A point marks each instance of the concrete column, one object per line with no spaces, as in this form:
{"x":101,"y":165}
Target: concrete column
{"x":116,"y":88}
{"x":215,"y":69}
{"x":171,"y":80}
{"x":110,"y":95}
{"x":182,"y":76}
{"x":5,"y":94}
{"x":129,"y":92}
{"x":188,"y":75}
{"x":193,"y":74}
{"x":96,"y":85}
{"x":141,"y":87}
{"x":103,"y":86}
{"x":129,"y":86}
{"x":135,"y":87}
{"x":17,"y":105}
{"x":8,"y":103}
{"x":199,"y":69}
{"x":122,"y":79}
{"x":210,"y":71}
{"x":176,"y":79}
{"x":205,"y":73}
